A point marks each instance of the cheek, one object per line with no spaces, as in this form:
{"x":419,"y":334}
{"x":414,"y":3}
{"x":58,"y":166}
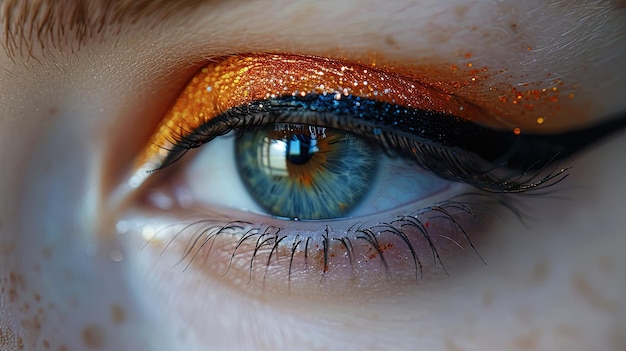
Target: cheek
{"x":556,"y":282}
{"x":63,"y":284}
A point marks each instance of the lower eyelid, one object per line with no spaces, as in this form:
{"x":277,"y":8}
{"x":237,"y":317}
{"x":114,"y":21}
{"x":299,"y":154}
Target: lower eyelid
{"x":271,"y":255}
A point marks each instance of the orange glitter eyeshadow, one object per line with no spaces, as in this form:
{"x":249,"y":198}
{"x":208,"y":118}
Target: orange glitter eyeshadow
{"x":444,"y":90}
{"x":239,"y":80}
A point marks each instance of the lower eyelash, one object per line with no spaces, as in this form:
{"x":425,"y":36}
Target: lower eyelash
{"x":331,"y":253}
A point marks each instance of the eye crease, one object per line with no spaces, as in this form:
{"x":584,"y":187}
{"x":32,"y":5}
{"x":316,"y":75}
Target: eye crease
{"x":290,"y":100}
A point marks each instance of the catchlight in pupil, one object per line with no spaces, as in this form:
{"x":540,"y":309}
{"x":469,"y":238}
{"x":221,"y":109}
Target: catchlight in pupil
{"x":305,"y":172}
{"x":301,"y":148}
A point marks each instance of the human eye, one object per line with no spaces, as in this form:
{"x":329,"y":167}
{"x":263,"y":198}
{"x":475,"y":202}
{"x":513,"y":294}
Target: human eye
{"x":492,"y":219}
{"x":315,"y":169}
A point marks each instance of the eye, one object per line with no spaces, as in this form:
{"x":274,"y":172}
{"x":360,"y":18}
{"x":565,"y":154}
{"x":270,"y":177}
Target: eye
{"x":307,"y":138}
{"x":301,"y":172}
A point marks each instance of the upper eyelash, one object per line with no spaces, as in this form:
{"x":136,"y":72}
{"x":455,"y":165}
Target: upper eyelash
{"x":517,"y":163}
{"x":490,"y":159}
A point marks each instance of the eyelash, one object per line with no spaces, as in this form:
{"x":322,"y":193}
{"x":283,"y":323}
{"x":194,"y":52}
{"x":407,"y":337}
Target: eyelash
{"x":449,"y":146}
{"x":444,"y":158}
{"x":200,"y":235}
{"x":411,"y":228}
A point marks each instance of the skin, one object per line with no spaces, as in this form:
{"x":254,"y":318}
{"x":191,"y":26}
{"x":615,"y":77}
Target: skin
{"x":73,"y":121}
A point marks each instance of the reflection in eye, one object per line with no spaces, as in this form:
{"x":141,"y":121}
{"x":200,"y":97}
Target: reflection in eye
{"x":284,"y":103}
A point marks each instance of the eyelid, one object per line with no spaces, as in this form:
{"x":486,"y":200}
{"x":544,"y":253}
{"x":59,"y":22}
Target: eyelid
{"x":224,"y":87}
{"x":238,"y":80}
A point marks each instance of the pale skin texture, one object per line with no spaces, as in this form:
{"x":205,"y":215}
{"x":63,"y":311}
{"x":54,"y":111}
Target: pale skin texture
{"x":72,"y":123}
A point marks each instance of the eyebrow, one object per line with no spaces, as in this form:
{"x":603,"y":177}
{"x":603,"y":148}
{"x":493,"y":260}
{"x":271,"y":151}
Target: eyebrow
{"x":47,"y":24}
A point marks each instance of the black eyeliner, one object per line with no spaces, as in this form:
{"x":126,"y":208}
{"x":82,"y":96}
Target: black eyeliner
{"x":448,"y":145}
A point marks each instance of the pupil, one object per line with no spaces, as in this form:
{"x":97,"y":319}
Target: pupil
{"x":300,"y":149}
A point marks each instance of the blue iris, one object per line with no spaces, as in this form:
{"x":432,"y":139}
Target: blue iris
{"x":304,"y":172}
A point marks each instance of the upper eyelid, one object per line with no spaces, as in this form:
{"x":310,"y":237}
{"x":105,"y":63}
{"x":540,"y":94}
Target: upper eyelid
{"x":242,"y":79}
{"x":238,"y":80}
{"x":258,"y":76}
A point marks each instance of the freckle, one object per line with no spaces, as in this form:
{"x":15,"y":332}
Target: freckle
{"x":568,"y":331}
{"x":390,"y":40}
{"x":93,"y":337}
{"x":36,"y":324}
{"x":617,"y":336}
{"x":606,"y":263}
{"x":540,"y":272}
{"x":67,"y":276}
{"x":527,"y":341}
{"x":46,"y":344}
{"x":73,"y":301}
{"x":584,"y":288}
{"x":37,"y":297}
{"x":12,"y":295}
{"x":26,"y":324}
{"x":487,"y":299}
{"x":46,"y":253}
{"x":7,"y":248}
{"x":62,"y":348}
{"x":524,"y":315}
{"x":450,"y":346}
{"x":117,"y":314}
